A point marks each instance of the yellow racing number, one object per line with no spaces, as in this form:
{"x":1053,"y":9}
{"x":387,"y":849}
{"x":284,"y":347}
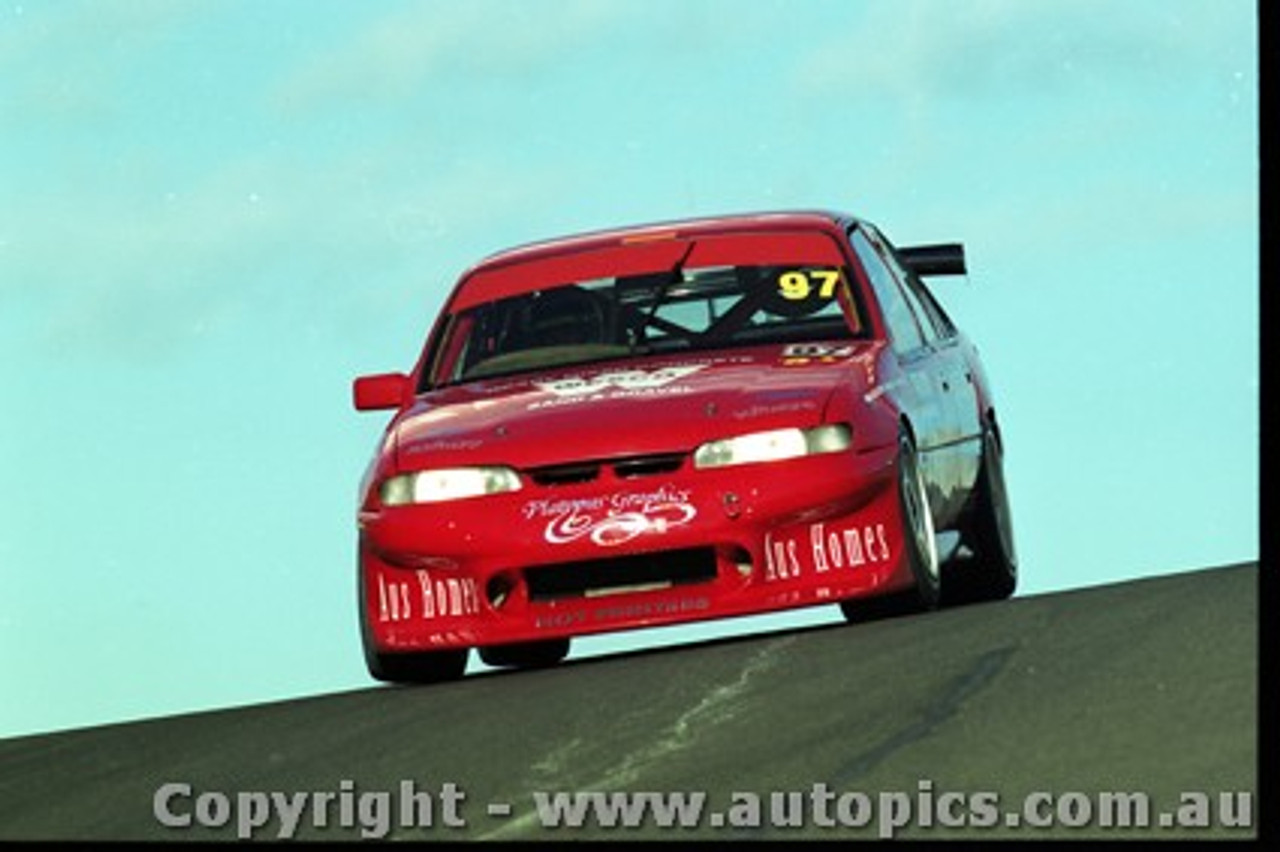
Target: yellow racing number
{"x":799,"y":285}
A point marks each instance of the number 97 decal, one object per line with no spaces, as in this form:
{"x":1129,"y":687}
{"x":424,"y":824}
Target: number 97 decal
{"x":798,"y":285}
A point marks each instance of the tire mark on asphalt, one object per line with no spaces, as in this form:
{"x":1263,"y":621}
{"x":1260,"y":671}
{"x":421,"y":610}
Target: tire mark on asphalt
{"x":960,"y":689}
{"x":714,"y":707}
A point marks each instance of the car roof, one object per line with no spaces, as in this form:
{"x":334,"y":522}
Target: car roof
{"x":691,"y":227}
{"x":645,"y":248}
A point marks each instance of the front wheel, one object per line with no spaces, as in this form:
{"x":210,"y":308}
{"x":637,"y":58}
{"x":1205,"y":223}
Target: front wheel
{"x":407,"y":666}
{"x":417,"y":666}
{"x":526,"y":655}
{"x":919,"y":542}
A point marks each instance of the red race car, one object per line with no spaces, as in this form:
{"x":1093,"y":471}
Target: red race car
{"x":674,"y":423}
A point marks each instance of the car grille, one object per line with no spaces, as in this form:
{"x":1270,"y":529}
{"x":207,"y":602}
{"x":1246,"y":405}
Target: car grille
{"x":621,"y":574}
{"x":626,"y":468}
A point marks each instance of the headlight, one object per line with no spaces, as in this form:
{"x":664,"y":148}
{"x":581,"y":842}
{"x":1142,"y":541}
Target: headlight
{"x":774,"y":445}
{"x":453,"y":483}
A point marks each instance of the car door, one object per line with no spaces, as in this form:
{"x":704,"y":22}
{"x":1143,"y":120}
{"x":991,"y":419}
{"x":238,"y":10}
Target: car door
{"x":925,"y":390}
{"x":960,"y":383}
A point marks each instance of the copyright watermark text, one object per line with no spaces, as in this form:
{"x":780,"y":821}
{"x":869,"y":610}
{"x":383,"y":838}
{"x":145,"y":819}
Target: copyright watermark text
{"x":445,"y":808}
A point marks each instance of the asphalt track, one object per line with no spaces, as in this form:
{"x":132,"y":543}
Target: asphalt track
{"x":1149,"y":686}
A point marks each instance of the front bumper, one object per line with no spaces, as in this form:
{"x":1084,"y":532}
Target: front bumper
{"x":617,"y":554}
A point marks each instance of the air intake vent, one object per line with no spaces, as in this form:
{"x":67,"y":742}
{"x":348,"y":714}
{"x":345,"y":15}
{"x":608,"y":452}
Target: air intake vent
{"x":621,"y":574}
{"x":629,"y":468}
{"x":565,"y":474}
{"x":648,"y":465}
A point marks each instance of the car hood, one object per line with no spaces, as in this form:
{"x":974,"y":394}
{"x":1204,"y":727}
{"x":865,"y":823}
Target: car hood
{"x":624,"y":408}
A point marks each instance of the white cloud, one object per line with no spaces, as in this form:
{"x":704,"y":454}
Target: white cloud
{"x":66,"y":61}
{"x":914,"y":49}
{"x":132,"y":269}
{"x":431,"y":42}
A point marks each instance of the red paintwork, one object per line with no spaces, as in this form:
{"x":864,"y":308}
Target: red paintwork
{"x":385,"y":390}
{"x":811,"y":530}
{"x":541,"y":428}
{"x":521,"y":273}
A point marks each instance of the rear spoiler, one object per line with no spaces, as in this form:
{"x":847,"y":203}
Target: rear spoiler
{"x":937,"y":259}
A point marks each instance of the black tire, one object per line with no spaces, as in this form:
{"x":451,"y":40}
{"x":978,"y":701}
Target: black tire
{"x":417,"y":666}
{"x":990,"y":573}
{"x":526,"y":655}
{"x":920,"y":545}
{"x":407,"y":666}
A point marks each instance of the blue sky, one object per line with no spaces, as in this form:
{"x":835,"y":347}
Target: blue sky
{"x":213,"y":215}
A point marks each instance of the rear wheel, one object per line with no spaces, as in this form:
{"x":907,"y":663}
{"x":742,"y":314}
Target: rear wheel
{"x":920,"y":545}
{"x":526,"y":655}
{"x":991,"y":573}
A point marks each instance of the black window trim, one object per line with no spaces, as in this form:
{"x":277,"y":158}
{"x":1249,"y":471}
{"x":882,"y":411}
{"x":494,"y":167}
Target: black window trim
{"x":872,"y":235}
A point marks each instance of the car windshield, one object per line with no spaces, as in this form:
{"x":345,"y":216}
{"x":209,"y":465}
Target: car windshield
{"x":677,"y":310}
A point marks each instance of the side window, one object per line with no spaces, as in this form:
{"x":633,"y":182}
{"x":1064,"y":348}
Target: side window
{"x":923,"y":301}
{"x":927,"y":320}
{"x":946,"y":328}
{"x":904,"y":331}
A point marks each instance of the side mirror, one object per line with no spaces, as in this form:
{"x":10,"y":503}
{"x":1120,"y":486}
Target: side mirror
{"x":381,"y":391}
